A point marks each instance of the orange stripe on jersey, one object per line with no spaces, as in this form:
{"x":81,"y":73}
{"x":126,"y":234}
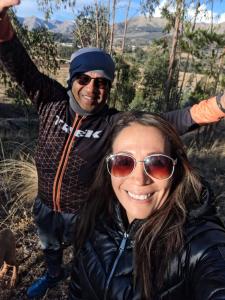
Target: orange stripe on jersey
{"x":59,"y":166}
{"x":58,"y":196}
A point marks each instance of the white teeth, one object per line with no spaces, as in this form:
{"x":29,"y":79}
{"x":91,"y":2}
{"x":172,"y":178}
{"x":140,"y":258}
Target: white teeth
{"x":140,"y":197}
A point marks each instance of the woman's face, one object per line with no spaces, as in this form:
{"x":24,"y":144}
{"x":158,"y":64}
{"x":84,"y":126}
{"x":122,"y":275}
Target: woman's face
{"x":138,"y":193}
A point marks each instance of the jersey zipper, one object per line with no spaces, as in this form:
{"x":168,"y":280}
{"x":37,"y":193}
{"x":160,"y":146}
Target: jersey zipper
{"x":121,"y":250}
{"x":63,"y":163}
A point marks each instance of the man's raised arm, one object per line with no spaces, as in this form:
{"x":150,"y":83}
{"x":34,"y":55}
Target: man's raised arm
{"x":17,"y":63}
{"x":206,"y":112}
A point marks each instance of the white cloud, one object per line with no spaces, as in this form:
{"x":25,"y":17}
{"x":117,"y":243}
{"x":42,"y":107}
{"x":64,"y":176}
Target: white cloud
{"x":159,"y":8}
{"x":203,"y":16}
{"x":222,"y":17}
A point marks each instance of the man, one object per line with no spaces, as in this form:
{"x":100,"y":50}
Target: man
{"x":73,"y":127}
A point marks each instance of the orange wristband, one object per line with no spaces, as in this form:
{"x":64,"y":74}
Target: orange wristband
{"x":207,"y":111}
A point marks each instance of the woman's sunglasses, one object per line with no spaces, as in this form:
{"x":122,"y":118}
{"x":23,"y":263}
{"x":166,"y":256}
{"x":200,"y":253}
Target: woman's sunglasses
{"x":100,"y":82}
{"x":158,"y":166}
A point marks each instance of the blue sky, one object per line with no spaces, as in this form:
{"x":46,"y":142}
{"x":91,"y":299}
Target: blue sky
{"x":30,"y":8}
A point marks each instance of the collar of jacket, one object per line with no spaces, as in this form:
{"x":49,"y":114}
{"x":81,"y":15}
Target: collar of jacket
{"x":121,"y":222}
{"x":75,"y":107}
{"x":205,"y":208}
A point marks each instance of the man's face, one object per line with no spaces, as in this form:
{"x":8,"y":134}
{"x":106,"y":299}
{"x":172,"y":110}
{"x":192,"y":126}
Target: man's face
{"x":91,"y":96}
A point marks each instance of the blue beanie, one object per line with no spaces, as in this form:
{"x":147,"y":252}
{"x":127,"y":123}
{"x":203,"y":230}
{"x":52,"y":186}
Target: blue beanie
{"x":91,"y":59}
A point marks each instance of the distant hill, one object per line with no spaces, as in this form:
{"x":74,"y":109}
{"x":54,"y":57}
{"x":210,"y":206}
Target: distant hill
{"x":141,"y":30}
{"x":64,"y":28}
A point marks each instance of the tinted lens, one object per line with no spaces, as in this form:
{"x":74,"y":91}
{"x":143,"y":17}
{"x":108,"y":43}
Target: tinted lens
{"x":84,"y":79}
{"x":159,"y":166}
{"x":120,"y":165}
{"x":102,"y":83}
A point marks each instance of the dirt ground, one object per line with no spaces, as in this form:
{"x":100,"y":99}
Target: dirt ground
{"x":29,"y":256}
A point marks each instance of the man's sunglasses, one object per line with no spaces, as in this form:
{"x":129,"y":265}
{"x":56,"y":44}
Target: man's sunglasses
{"x":158,"y":166}
{"x":100,"y":82}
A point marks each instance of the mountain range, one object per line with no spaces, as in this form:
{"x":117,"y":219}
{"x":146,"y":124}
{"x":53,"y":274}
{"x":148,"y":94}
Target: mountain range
{"x":56,"y":26}
{"x":140,"y":31}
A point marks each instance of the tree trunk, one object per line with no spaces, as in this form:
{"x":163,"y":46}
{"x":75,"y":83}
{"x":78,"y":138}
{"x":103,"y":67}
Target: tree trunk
{"x":113,"y":26}
{"x":220,"y":71}
{"x":172,"y":60}
{"x":212,"y":21}
{"x":79,"y":34}
{"x":97,"y":24}
{"x":125,"y":28}
{"x":107,"y":29}
{"x":188,"y":57}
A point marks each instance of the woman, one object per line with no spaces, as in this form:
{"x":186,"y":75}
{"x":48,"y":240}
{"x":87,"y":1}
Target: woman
{"x":150,"y":230}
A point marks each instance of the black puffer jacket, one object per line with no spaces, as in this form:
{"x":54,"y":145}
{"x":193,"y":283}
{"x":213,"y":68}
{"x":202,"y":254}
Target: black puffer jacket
{"x":104,"y":267}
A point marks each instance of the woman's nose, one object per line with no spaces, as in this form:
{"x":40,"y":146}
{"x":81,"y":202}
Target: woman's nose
{"x":139,"y":175}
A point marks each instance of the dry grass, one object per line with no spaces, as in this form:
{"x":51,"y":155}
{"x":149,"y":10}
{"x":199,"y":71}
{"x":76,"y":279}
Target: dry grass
{"x":216,"y":149}
{"x":18,"y":188}
{"x":207,"y":153}
{"x":20,"y":175}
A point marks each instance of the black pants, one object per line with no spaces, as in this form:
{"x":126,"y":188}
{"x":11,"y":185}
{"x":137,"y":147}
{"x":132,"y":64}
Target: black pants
{"x":55,"y":230}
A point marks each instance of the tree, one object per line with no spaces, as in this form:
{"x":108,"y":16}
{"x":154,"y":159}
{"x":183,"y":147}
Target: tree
{"x":91,"y":27}
{"x":170,"y":92}
{"x":125,"y":27}
{"x":148,"y":6}
{"x":169,"y":97}
{"x":124,"y":88}
{"x":153,"y":80}
{"x":206,"y":49}
{"x":189,"y":27}
{"x":113,"y":26}
{"x":47,"y":6}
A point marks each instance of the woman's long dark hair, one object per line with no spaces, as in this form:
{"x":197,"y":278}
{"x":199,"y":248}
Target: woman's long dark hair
{"x":161,"y":235}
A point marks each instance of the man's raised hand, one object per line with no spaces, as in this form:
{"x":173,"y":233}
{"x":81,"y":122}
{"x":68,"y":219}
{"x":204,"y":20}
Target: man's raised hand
{"x":5,"y":4}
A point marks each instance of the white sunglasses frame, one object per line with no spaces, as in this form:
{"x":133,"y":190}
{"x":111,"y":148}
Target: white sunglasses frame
{"x":110,"y":156}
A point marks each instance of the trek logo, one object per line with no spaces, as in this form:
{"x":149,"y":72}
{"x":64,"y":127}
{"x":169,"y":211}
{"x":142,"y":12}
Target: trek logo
{"x":78,"y":133}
